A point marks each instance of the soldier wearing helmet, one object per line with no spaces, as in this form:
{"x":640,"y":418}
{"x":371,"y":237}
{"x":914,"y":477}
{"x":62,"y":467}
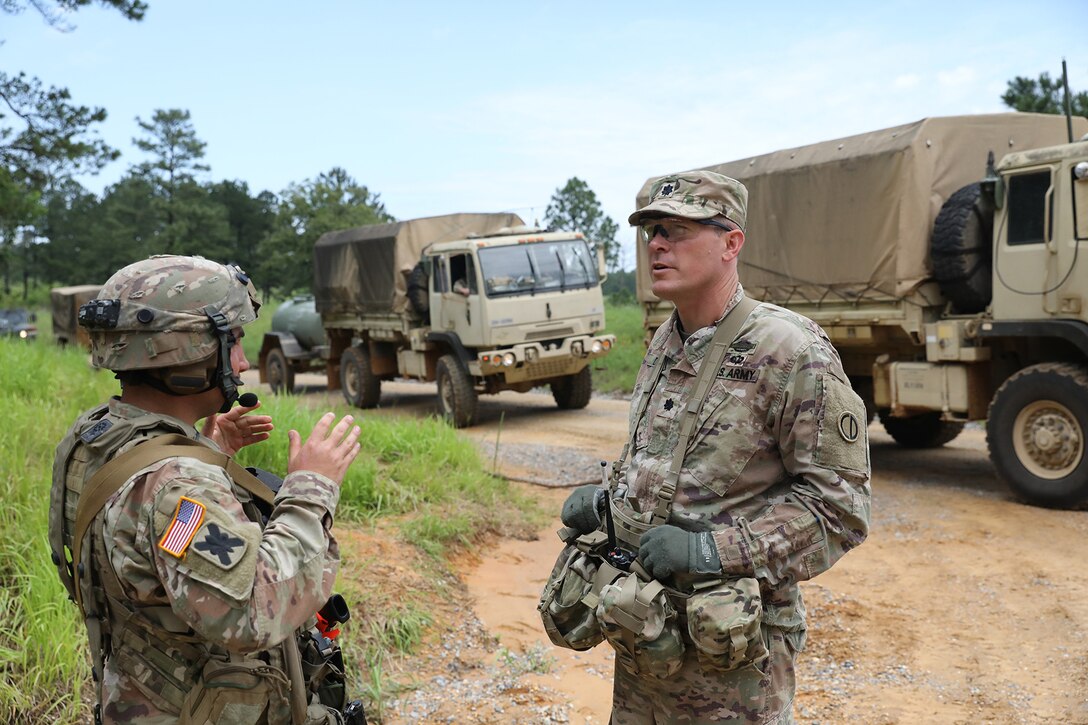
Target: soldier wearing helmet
{"x":192,"y":577}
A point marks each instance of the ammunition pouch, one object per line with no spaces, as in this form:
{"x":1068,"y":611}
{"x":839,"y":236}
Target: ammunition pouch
{"x":237,"y":690}
{"x":724,"y":623}
{"x":641,"y":624}
{"x":569,"y":621}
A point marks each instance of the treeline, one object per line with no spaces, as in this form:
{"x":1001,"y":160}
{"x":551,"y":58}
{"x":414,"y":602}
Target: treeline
{"x":161,"y":206}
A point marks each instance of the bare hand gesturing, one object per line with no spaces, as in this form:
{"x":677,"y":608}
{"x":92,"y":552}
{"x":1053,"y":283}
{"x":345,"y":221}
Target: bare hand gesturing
{"x":235,"y":430}
{"x":329,"y":450}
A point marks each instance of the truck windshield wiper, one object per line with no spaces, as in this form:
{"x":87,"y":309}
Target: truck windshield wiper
{"x":562,"y":271}
{"x":532,"y":268}
{"x":589,"y":280}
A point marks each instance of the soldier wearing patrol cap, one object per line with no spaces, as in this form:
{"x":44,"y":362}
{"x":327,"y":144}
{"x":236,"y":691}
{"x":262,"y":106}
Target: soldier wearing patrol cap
{"x":192,"y":577}
{"x":746,"y":472}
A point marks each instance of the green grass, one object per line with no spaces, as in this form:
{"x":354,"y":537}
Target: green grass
{"x":418,"y":480}
{"x":42,"y":643}
{"x":616,"y":371}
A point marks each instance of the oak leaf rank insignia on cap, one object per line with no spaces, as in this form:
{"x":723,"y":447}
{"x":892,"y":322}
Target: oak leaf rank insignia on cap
{"x":188,"y":516}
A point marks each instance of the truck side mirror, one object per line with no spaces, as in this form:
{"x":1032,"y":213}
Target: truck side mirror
{"x":601,"y":272}
{"x":1080,"y":200}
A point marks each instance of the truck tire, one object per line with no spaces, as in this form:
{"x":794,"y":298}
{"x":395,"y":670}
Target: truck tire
{"x":961,"y":249}
{"x":361,"y":388}
{"x":418,"y":291}
{"x":278,"y":372}
{"x":1036,"y":432}
{"x":921,"y":431}
{"x":456,"y":395}
{"x":573,"y":391}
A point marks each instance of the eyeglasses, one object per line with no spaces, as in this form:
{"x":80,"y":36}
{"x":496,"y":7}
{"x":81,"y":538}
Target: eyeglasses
{"x":679,"y":231}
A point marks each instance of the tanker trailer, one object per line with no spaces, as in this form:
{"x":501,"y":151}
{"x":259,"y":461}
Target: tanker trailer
{"x":302,"y":344}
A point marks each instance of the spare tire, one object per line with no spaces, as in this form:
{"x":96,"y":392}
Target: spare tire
{"x":961,"y":249}
{"x":418,"y":291}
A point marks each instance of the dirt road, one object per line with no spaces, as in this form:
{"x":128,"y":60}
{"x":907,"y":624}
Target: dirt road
{"x":964,"y":606}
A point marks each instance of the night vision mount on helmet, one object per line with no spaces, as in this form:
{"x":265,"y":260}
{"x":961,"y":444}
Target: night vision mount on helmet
{"x":168,"y":321}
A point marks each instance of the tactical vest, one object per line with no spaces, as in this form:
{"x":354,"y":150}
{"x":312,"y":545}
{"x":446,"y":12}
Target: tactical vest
{"x":163,"y":657}
{"x":587,"y":597}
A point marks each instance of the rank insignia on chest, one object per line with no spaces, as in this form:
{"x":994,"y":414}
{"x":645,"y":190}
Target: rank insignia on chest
{"x":738,"y":374}
{"x":188,"y":516}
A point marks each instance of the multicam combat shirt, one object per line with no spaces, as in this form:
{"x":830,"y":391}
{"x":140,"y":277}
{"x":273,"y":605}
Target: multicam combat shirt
{"x":778,"y":465}
{"x":189,"y":557}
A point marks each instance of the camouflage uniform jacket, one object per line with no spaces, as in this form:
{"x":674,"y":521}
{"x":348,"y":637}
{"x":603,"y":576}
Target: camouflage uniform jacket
{"x":235,"y":587}
{"x":778,"y":465}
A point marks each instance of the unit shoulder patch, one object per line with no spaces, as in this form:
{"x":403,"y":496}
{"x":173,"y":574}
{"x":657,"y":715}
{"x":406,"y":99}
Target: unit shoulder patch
{"x":220,"y":546}
{"x":188,"y":516}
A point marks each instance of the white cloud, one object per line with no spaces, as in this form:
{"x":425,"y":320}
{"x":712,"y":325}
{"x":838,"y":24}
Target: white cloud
{"x":960,"y":76}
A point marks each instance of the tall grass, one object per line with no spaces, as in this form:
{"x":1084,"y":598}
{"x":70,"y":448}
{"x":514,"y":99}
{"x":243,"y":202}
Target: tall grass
{"x":42,"y":643}
{"x":616,"y":371}
{"x":416,"y":477}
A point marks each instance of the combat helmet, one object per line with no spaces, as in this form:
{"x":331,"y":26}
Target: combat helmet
{"x":167,"y":320}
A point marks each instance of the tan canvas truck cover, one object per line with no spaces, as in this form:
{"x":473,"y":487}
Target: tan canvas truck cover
{"x":852,"y":218}
{"x":65,"y":302}
{"x":364,"y":270}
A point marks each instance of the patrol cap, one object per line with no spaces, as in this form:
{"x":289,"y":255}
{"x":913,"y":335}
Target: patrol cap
{"x":695,"y":195}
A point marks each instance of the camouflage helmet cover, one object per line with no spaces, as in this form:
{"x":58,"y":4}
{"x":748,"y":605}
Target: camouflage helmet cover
{"x":163,"y":318}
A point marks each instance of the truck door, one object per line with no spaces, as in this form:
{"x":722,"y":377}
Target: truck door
{"x":460,"y":299}
{"x":1035,"y":275}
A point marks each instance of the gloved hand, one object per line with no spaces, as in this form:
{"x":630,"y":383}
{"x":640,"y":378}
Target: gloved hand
{"x":582,"y":509}
{"x":666,"y":550}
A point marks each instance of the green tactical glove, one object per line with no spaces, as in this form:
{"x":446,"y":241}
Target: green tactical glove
{"x":582,"y":509}
{"x":666,"y":550}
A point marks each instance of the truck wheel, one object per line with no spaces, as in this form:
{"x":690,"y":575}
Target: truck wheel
{"x":278,"y":372}
{"x":1036,"y":431}
{"x":921,"y":431}
{"x":418,"y":291}
{"x":573,"y":391}
{"x":361,"y":388}
{"x":961,"y":249}
{"x":455,"y":392}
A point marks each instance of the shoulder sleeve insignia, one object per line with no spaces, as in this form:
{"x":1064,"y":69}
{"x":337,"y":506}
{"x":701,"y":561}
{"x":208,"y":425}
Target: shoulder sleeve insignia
{"x":220,"y":546}
{"x":188,"y":516}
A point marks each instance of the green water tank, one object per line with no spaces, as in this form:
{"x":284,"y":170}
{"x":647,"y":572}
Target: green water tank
{"x":299,"y":316}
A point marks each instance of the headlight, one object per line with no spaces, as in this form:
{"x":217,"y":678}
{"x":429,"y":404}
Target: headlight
{"x":23,"y":334}
{"x":597,"y":347}
{"x":1081,"y":170}
{"x":508,"y":359}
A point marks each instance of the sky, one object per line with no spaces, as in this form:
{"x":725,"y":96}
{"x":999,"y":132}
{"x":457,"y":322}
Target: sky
{"x":444,"y":107}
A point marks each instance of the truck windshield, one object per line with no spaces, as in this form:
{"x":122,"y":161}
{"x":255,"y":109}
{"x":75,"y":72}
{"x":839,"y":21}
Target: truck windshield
{"x":538,"y":267}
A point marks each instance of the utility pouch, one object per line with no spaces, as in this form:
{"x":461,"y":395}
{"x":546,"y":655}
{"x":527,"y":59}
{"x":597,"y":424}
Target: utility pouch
{"x":569,"y":621}
{"x":724,"y":622}
{"x":237,"y":691}
{"x":640,"y":623}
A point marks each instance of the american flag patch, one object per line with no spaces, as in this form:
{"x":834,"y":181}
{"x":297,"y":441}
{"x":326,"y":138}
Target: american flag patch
{"x":187,"y":519}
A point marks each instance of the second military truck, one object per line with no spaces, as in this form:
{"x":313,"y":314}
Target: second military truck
{"x":478,"y":303}
{"x":952,"y":288}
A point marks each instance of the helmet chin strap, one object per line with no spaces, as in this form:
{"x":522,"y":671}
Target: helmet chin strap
{"x":224,"y":374}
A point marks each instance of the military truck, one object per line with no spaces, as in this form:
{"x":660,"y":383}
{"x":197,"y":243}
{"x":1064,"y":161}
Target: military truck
{"x":951,"y":286}
{"x":65,"y":302}
{"x":479,"y":303}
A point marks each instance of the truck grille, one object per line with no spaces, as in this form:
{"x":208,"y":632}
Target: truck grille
{"x":549,"y":334}
{"x":547,"y":368}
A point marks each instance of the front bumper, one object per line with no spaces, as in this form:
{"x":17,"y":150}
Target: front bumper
{"x":535,"y":361}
